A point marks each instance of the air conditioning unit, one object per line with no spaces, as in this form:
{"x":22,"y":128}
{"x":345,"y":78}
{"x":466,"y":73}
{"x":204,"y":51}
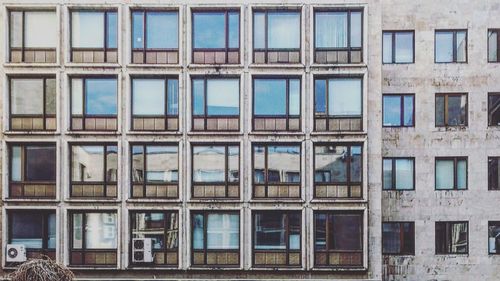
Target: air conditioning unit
{"x":16,"y":253}
{"x":142,"y":250}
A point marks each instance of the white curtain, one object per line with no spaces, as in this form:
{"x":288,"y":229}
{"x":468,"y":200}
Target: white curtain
{"x":404,"y":174}
{"x":344,"y":97}
{"x":87,"y":30}
{"x":331,"y":30}
{"x":444,"y":174}
{"x":283,"y":30}
{"x":41,"y":30}
{"x":148,"y":97}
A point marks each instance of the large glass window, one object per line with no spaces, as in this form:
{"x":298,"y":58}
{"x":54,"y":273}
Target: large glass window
{"x":452,"y":238}
{"x":398,"y":238}
{"x":276,"y":104}
{"x":338,"y":36}
{"x":338,"y":238}
{"x":493,"y":173}
{"x":450,"y":46}
{"x":451,"y":110}
{"x":162,"y":227}
{"x":451,"y":173}
{"x":33,"y":36}
{"x":399,"y":173}
{"x":216,"y":36}
{"x":215,"y":235}
{"x":215,"y":104}
{"x":494,"y":109}
{"x":215,"y":170}
{"x":276,"y":36}
{"x":398,"y":46}
{"x":338,"y":170}
{"x":277,"y":234}
{"x":399,"y":110}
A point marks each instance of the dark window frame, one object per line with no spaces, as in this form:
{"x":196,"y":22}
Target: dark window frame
{"x":491,"y":185}
{"x":492,"y":224}
{"x":401,"y":252}
{"x":448,"y":225}
{"x":394,"y":171}
{"x":401,"y":110}
{"x":445,"y":109}
{"x":455,"y":160}
{"x":490,"y":95}
{"x":497,"y":31}
{"x":349,"y":49}
{"x":454,"y":32}
{"x":393,"y":45}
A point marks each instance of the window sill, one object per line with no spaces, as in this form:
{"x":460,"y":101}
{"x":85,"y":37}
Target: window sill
{"x":153,"y":200}
{"x":153,"y":267}
{"x":277,"y":268}
{"x":215,"y":65}
{"x":30,"y":64}
{"x":90,"y":65}
{"x":31,"y":132}
{"x":275,"y":65}
{"x":225,"y":268}
{"x":329,"y":133}
{"x":154,"y":65}
{"x":15,"y":200}
{"x":459,"y":128}
{"x":279,"y":133}
{"x":339,"y":200}
{"x":104,"y":133}
{"x":217,"y":133}
{"x":215,"y":200}
{"x":341,"y":268}
{"x":278,"y":200}
{"x":138,"y":133}
{"x":87,"y":268}
{"x":339,"y":65}
{"x":97,"y":199}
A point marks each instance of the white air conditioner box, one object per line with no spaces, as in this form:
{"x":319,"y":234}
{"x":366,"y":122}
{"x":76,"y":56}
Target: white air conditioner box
{"x":142,"y":250}
{"x":16,"y":253}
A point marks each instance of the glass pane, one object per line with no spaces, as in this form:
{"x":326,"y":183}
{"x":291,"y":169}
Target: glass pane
{"x":198,"y":237}
{"x":404,"y":47}
{"x":294,"y":224}
{"x":347,"y":232}
{"x":493,"y":237}
{"x":101,"y":96}
{"x":283,"y":30}
{"x":223,"y":231}
{"x":27,"y":228}
{"x":198,"y":97}
{"x":87,"y":29}
{"x":77,"y":231}
{"x":294,"y":99}
{"x":138,"y":30}
{"x":320,"y":96}
{"x":50,"y":96}
{"x":269,"y":97}
{"x":493,"y":174}
{"x":173,"y":97}
{"x":15,"y":164}
{"x":270,"y":229}
{"x":51,"y":232}
{"x":444,"y":174}
{"x":150,"y":225}
{"x":161,"y":164}
{"x":40,"y":163}
{"x":387,"y":174}
{"x":458,"y":238}
{"x":408,"y":110}
{"x":259,"y":163}
{"x":76,"y":96}
{"x":283,"y":164}
{"x":492,"y":46}
{"x":162,"y":30}
{"x":233,"y":163}
{"x":462,"y":174}
{"x":112,"y":30}
{"x":392,"y":110}
{"x":461,"y":46}
{"x":209,"y":164}
{"x":444,"y":47}
{"x":137,"y":163}
{"x":87,"y":163}
{"x":440,"y":110}
{"x":404,"y":174}
{"x":320,"y":231}
{"x":16,"y":29}
{"x":148,"y":97}
{"x":111,"y":163}
{"x":41,"y":30}
{"x":356,"y":27}
{"x":356,"y":165}
{"x":494,"y":110}
{"x":223,"y":97}
{"x":391,"y":238}
{"x":209,"y":30}
{"x":100,"y":231}
{"x":259,"y":30}
{"x":456,"y":110}
{"x":27,"y":96}
{"x":345,"y":97}
{"x":331,"y":30}
{"x":387,"y":45}
{"x":330,"y":163}
{"x":234,"y":30}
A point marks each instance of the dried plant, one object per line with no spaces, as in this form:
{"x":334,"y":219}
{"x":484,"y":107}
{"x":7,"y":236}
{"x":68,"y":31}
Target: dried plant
{"x":43,"y":269}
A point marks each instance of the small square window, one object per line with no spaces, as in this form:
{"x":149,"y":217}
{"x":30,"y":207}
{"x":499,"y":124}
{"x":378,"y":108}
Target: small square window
{"x":451,"y":173}
{"x":399,"y":173}
{"x":451,"y":110}
{"x":399,"y":110}
{"x":450,"y":46}
{"x":452,"y":238}
{"x":398,"y":238}
{"x":398,"y":47}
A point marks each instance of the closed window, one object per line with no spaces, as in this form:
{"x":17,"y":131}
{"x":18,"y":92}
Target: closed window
{"x":338,"y":239}
{"x":398,"y":238}
{"x":399,"y":173}
{"x":338,"y":36}
{"x":32,"y":104}
{"x":494,"y":237}
{"x":493,"y":45}
{"x":398,"y":46}
{"x":451,"y":110}
{"x":452,"y":238}
{"x":33,"y":36}
{"x":450,"y":46}
{"x":493,"y":173}
{"x":399,"y":110}
{"x":451,"y":173}
{"x":494,"y":109}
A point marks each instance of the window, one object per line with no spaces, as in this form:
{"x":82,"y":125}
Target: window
{"x":338,"y":36}
{"x":93,"y":238}
{"x":494,"y":237}
{"x":276,"y":36}
{"x":33,"y":36}
{"x":451,"y":110}
{"x":399,"y":173}
{"x":162,"y":227}
{"x":155,"y":37}
{"x":493,"y":45}
{"x":94,"y":170}
{"x":398,"y":47}
{"x":398,"y":238}
{"x":338,"y":239}
{"x":494,"y":109}
{"x":155,"y":171}
{"x":32,"y":104}
{"x":94,"y":36}
{"x":276,"y":104}
{"x":35,"y":229}
{"x":155,"y":104}
{"x":216,"y":171}
{"x":450,"y":46}
{"x":493,"y":173}
{"x":452,"y":238}
{"x":277,"y":238}
{"x":276,"y":170}
{"x":338,"y":104}
{"x":32,"y":171}
{"x":451,"y":173}
{"x":94,"y":104}
{"x":216,"y":37}
{"x":215,"y":104}
{"x":215,"y":239}
{"x":399,"y":110}
{"x":338,"y":170}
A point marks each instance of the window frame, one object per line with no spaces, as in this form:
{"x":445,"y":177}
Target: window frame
{"x":454,"y":32}
{"x":497,"y":31}
{"x":492,"y":224}
{"x":349,"y":48}
{"x":455,"y":160}
{"x":394,"y":171}
{"x":490,"y":184}
{"x":402,"y":238}
{"x":447,"y":225}
{"x":490,"y":95}
{"x":401,"y":111}
{"x":445,"y":109}
{"x":207,"y":117}
{"x":393,"y":45}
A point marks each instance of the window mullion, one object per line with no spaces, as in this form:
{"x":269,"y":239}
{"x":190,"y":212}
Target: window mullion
{"x":393,"y":43}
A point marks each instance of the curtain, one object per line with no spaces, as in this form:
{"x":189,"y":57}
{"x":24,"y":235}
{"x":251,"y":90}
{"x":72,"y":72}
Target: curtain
{"x":344,"y":97}
{"x":148,"y":97}
{"x":404,"y":174}
{"x":444,"y":174}
{"x":331,"y":30}
{"x":41,"y":29}
{"x":87,"y":29}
